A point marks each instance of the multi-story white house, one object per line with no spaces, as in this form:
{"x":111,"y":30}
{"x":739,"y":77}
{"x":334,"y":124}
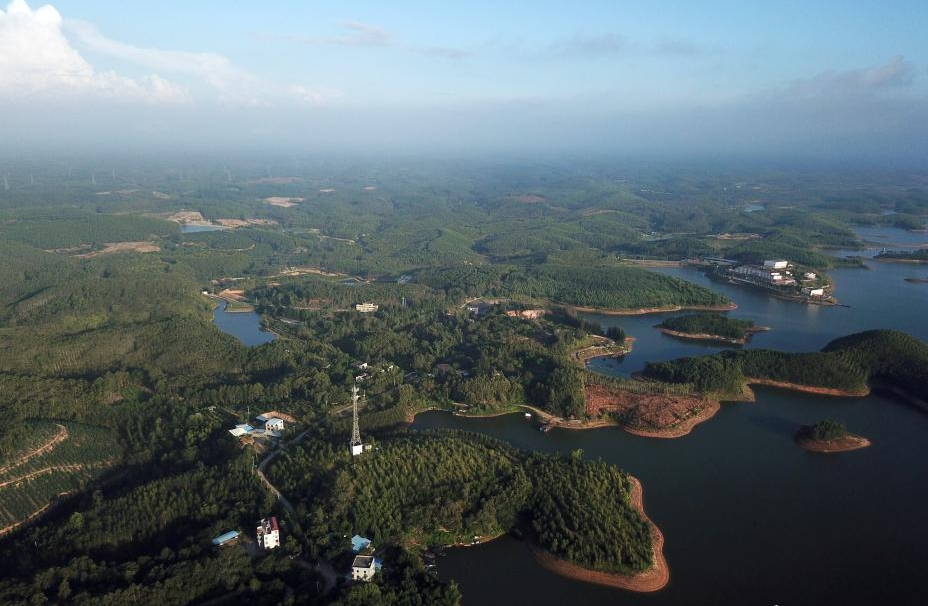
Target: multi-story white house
{"x":363,"y":568}
{"x":268,"y":534}
{"x":274,"y":425}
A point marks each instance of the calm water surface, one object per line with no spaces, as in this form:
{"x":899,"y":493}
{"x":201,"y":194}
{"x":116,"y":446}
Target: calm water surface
{"x":193,"y":229}
{"x":245,"y":325}
{"x":748,"y":517}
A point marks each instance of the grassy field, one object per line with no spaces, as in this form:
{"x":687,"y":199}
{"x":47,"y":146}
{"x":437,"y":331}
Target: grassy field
{"x":55,"y":459}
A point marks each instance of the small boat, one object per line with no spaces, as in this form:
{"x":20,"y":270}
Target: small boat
{"x":545,"y":428}
{"x":528,"y":415}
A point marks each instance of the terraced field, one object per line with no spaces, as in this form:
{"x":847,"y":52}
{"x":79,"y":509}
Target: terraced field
{"x":55,"y":459}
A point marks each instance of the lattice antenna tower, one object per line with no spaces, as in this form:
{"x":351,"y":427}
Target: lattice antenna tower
{"x":355,"y":429}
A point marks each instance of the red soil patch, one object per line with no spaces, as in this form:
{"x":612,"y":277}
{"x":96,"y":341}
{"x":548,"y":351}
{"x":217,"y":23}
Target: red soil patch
{"x":650,"y":415}
{"x":825,"y":391}
{"x":847,"y":443}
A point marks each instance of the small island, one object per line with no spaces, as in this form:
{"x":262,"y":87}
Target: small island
{"x":710,"y":327}
{"x":829,"y":436}
{"x":896,"y":256}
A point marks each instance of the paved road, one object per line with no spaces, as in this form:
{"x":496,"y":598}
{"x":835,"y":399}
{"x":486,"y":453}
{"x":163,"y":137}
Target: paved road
{"x":323,"y":567}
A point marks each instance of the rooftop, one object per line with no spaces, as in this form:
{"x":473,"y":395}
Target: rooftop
{"x":359,"y":543}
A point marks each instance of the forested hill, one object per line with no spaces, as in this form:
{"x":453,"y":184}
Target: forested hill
{"x":608,"y":287}
{"x":444,"y":487}
{"x":709,"y":324}
{"x":881,"y":357}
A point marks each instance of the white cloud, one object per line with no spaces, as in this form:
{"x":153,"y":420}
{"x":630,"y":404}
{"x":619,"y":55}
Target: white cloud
{"x":896,"y":73}
{"x":37,"y":61}
{"x":231,"y":84}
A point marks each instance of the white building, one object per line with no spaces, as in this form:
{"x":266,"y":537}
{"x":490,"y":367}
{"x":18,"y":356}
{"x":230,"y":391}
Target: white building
{"x":814,"y":292}
{"x":763,"y":274}
{"x":366,"y":308}
{"x":363,"y":568}
{"x":776,"y":264}
{"x":809,"y":275}
{"x":274,"y":426}
{"x":268,"y":534}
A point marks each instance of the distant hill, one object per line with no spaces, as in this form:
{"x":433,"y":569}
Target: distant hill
{"x":885,"y":358}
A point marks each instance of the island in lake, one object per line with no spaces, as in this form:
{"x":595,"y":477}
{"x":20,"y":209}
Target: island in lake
{"x":895,"y":256}
{"x":829,"y":436}
{"x":710,"y":327}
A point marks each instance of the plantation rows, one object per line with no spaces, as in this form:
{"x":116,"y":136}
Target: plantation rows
{"x":20,"y":500}
{"x":29,"y":486}
{"x":38,"y":434}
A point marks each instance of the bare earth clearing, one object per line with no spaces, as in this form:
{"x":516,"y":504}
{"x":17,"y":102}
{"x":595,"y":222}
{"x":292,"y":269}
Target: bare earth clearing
{"x":117,"y":247}
{"x":283,"y":202}
{"x":649,"y":415}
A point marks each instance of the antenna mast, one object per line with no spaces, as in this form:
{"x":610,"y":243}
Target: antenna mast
{"x":356,"y":445}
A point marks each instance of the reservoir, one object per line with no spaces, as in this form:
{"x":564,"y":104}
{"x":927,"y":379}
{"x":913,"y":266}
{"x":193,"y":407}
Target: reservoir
{"x":244,"y":325}
{"x":749,"y":517}
{"x":193,"y":229}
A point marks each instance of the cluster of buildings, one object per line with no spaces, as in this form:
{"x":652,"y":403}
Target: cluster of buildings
{"x":268,"y":534}
{"x":365,"y":565}
{"x":771,"y":273}
{"x":269,"y":425}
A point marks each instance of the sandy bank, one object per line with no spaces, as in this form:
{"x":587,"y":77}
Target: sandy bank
{"x":653,"y":579}
{"x":825,"y":391}
{"x":654,"y":310}
{"x":711,"y":337}
{"x":847,"y":443}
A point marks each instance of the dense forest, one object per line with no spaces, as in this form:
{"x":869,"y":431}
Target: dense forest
{"x":608,"y":287}
{"x":919,"y":256}
{"x":445,"y":488}
{"x":709,"y":324}
{"x":875,"y":357}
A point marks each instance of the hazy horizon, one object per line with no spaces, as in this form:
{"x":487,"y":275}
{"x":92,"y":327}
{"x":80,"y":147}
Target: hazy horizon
{"x":832,"y":82}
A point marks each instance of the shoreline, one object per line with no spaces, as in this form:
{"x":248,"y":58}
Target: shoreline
{"x":899,"y":260}
{"x":653,"y":579}
{"x":848,"y":443}
{"x":824,"y":391}
{"x":610,"y":349}
{"x":710,"y":337}
{"x":683,"y":428}
{"x":653,"y":310}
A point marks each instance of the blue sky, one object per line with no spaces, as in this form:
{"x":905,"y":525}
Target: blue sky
{"x":485,"y":74}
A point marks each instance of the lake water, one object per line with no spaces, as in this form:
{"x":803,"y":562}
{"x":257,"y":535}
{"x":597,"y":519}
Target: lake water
{"x":748,"y":517}
{"x":245,"y":325}
{"x":193,"y":229}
